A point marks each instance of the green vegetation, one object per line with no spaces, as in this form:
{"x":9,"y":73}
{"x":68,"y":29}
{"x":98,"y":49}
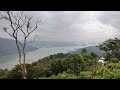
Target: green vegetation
{"x":112,"y":48}
{"x":73,"y":65}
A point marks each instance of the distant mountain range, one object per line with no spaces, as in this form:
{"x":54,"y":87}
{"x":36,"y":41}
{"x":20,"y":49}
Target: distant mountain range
{"x":40,"y":44}
{"x":8,"y":46}
{"x":91,"y":49}
{"x":88,"y":46}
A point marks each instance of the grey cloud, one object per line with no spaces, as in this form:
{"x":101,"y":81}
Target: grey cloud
{"x":76,"y":25}
{"x":111,"y":18}
{"x":59,"y":25}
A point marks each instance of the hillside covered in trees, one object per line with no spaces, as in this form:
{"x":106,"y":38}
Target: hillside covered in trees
{"x":73,"y":65}
{"x":92,"y":49}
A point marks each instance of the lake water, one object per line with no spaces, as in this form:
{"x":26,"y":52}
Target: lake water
{"x":9,"y":61}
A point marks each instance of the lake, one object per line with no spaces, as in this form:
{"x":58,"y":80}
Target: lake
{"x":9,"y":61}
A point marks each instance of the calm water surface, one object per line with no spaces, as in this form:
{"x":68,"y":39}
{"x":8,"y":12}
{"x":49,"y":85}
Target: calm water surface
{"x":9,"y":61}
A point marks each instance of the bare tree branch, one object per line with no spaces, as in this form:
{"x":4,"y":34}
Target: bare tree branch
{"x":10,"y":19}
{"x":5,"y":29}
{"x":28,"y":24}
{"x":19,"y":22}
{"x":33,"y":29}
{"x":31,"y":41}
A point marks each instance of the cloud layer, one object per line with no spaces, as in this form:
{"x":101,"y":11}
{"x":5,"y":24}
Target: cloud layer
{"x":76,"y":26}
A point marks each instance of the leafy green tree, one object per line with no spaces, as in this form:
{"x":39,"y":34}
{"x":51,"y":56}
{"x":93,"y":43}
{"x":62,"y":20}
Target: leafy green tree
{"x":71,"y":64}
{"x":93,"y":55}
{"x":85,"y":75}
{"x":94,"y":58}
{"x":114,"y":60}
{"x":105,"y":73}
{"x":84,"y":50}
{"x":87,"y":61}
{"x":57,"y":67}
{"x":75,"y":63}
{"x":63,"y":75}
{"x":33,"y":71}
{"x":15,"y":73}
{"x":108,"y":56}
{"x":112,"y":46}
{"x":110,"y":71}
{"x":3,"y":73}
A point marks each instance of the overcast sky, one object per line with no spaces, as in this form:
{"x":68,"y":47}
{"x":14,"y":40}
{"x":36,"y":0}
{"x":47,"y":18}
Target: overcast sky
{"x":77,"y":26}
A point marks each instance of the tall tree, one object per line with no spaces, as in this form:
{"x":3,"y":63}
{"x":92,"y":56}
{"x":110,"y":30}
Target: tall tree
{"x":19,"y":23}
{"x":111,"y":46}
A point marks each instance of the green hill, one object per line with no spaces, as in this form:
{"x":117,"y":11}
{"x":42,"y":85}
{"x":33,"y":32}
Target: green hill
{"x":91,"y":49}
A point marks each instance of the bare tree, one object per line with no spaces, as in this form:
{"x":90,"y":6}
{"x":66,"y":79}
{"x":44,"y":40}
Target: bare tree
{"x":19,"y":22}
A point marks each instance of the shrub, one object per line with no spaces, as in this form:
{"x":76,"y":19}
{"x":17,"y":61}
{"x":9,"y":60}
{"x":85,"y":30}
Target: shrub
{"x":64,"y":75}
{"x":85,"y":75}
{"x":110,"y":71}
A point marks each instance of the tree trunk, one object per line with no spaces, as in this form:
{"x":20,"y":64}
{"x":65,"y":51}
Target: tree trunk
{"x":94,"y":70}
{"x":24,"y":64}
{"x":24,"y":59}
{"x":19,"y":51}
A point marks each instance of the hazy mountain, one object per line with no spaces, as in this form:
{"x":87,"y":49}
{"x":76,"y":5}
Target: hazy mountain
{"x":40,"y":44}
{"x":91,"y":49}
{"x":8,"y":46}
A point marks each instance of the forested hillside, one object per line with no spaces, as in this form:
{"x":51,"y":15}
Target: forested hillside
{"x":92,"y":49}
{"x":83,"y":65}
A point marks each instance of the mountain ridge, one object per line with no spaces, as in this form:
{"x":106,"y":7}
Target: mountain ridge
{"x":91,"y":49}
{"x":8,"y":46}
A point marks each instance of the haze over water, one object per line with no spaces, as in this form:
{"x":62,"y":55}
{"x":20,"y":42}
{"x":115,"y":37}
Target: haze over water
{"x":9,"y":61}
